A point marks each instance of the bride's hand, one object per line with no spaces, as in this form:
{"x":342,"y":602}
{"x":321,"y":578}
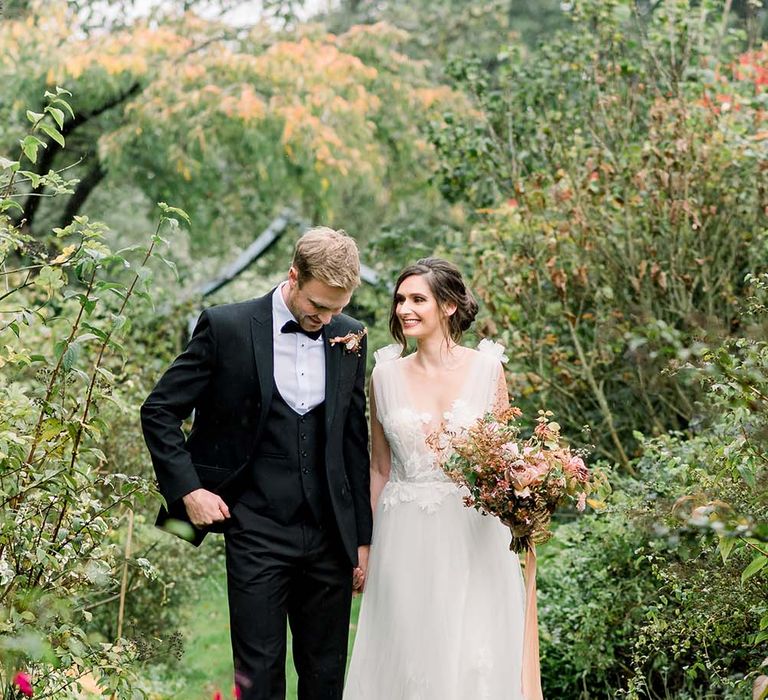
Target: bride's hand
{"x":360,"y":571}
{"x":358,"y":580}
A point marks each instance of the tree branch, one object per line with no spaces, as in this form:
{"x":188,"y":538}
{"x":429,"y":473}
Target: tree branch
{"x":52,"y":148}
{"x":84,"y":188}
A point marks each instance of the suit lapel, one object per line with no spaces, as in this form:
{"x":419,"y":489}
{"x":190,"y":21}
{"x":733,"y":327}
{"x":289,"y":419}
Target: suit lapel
{"x":263,"y":352}
{"x":332,"y":372}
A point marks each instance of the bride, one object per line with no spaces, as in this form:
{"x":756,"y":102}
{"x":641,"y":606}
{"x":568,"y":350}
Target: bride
{"x":443,"y":610}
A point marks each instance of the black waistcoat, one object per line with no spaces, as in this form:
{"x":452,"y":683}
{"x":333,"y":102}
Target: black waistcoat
{"x":289,"y":483}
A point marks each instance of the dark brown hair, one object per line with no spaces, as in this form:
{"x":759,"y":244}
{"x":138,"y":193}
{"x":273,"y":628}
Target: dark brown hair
{"x":447,"y":285}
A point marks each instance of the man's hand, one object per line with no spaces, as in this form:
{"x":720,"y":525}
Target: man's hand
{"x":359,"y":573}
{"x":205,"y":508}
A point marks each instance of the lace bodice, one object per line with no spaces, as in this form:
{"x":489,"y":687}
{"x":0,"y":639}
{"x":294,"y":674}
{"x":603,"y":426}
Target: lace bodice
{"x":416,"y":473}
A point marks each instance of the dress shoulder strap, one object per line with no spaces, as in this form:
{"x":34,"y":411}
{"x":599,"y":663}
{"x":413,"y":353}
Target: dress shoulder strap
{"x":385,"y":380}
{"x":387,"y":353}
{"x":492,"y":348}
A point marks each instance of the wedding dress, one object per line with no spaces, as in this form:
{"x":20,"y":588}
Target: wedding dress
{"x":443,"y":610}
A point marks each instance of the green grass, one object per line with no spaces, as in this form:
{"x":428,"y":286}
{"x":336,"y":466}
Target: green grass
{"x":207,"y":660}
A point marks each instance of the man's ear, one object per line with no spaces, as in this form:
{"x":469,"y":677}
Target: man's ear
{"x":293,"y":276}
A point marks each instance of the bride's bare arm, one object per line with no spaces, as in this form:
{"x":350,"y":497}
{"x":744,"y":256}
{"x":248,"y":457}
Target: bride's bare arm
{"x":381,"y":458}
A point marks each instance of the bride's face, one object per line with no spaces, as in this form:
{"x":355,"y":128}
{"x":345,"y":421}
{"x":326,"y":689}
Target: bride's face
{"x":417,"y":309}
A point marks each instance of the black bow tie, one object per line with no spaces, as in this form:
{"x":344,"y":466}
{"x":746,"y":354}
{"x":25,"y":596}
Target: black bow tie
{"x":293,"y":327}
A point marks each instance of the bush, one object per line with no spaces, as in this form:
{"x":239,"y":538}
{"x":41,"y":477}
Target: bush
{"x":628,"y":198}
{"x":665,"y":594}
{"x":67,"y":507}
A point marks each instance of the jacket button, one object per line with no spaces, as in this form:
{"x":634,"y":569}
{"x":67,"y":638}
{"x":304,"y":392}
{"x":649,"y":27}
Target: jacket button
{"x":304,"y":454}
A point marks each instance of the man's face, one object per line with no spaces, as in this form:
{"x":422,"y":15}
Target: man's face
{"x":314,"y":303}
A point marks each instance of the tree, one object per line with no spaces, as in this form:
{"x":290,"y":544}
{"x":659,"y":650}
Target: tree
{"x":235,"y":124}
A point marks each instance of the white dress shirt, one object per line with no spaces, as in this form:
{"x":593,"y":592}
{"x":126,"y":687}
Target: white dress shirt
{"x":299,"y":361}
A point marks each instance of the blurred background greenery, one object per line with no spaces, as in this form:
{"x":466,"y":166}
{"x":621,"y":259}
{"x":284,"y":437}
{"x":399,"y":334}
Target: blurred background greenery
{"x":598,"y":170}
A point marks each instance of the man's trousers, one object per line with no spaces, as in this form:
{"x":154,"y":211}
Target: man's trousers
{"x":297,"y":573}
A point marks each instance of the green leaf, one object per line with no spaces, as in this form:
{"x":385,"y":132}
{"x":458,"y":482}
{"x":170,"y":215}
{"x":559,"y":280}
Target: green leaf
{"x":174,"y":211}
{"x":761,"y":637}
{"x":725,"y":546}
{"x":57,"y":114}
{"x":34,"y":117}
{"x":108,"y":376}
{"x":7,"y":164}
{"x":66,"y":106}
{"x":30,"y":145}
{"x":171,"y":265}
{"x":748,"y":475}
{"x":34,"y":178}
{"x":71,"y":355}
{"x":98,"y":332}
{"x":53,"y":133}
{"x":50,"y":278}
{"x":764,"y":622}
{"x":6,"y":204}
{"x":755,"y":565}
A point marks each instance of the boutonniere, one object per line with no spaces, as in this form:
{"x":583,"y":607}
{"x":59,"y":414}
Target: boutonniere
{"x":351,"y":341}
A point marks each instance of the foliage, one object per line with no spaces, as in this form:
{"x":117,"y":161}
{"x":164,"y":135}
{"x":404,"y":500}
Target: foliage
{"x":234,"y":124}
{"x":66,"y":312}
{"x":439,"y":31}
{"x":615,"y":162}
{"x":665,"y":594}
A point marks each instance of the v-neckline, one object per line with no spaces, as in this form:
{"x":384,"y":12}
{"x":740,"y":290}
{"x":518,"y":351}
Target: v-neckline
{"x":408,"y":397}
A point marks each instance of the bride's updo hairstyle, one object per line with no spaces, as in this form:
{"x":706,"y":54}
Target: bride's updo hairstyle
{"x":448,"y":287}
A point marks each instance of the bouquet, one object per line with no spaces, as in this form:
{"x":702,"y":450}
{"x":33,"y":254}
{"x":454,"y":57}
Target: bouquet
{"x":521,"y":482}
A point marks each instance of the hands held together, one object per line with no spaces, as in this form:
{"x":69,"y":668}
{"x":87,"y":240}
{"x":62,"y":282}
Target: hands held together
{"x":360,"y":571}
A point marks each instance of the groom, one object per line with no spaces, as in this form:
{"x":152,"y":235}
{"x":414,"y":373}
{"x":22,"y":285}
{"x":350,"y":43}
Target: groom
{"x":277,"y":459}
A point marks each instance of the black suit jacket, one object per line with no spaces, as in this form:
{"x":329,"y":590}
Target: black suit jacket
{"x":226,"y":376}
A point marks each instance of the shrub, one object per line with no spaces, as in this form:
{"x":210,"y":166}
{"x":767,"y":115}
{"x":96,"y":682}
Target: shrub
{"x":66,"y":310}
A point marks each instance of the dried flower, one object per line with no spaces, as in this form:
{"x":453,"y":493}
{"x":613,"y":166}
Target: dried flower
{"x":351,"y":341}
{"x":522,"y":482}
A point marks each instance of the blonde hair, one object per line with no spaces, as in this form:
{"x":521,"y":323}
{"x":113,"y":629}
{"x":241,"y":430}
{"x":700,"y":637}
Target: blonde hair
{"x":328,"y":256}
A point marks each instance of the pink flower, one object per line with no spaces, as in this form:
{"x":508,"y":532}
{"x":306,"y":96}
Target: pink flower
{"x":576,"y":468}
{"x":510,"y":449}
{"x":23,"y":683}
{"x":527,"y":475}
{"x":217,"y":695}
{"x":236,"y":693}
{"x":581,"y":504}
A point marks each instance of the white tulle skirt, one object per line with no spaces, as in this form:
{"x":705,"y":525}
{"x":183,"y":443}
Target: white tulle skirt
{"x":443,"y":609}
